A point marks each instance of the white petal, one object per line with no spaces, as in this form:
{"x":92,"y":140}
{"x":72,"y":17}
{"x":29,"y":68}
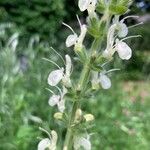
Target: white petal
{"x":123,"y":50}
{"x":105,"y":81}
{"x":83,"y":4}
{"x":71,"y":40}
{"x":43,"y":144}
{"x":55,"y":77}
{"x":123,"y":30}
{"x":54,"y":100}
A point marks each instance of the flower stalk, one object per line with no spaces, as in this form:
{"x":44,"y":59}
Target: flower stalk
{"x":109,"y":34}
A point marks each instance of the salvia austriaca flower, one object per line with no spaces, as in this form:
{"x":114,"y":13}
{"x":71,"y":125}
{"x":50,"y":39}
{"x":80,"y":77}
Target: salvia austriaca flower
{"x":118,"y":29}
{"x":48,"y":143}
{"x":60,"y":74}
{"x":74,"y":39}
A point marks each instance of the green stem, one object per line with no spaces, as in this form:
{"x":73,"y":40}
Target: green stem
{"x":68,"y":145}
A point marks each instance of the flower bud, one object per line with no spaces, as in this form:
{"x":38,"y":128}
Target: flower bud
{"x":58,"y":115}
{"x":78,"y":115}
{"x":89,"y":117}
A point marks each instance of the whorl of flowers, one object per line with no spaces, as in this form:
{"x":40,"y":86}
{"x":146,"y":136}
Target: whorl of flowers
{"x":109,"y":33}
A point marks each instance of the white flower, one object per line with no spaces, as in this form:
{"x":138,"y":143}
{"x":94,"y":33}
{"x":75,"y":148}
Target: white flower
{"x":82,"y":142}
{"x":124,"y":51}
{"x":105,"y":81}
{"x":58,"y":100}
{"x":55,"y":77}
{"x":49,"y":143}
{"x":74,"y":39}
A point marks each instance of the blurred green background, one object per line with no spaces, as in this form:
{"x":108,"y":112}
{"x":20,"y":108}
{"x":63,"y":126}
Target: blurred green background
{"x":27,"y":30}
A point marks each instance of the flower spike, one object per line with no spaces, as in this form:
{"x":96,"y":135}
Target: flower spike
{"x":48,"y":143}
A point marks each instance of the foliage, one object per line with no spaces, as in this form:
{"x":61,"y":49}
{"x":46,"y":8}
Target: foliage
{"x":21,"y":99}
{"x":33,"y":17}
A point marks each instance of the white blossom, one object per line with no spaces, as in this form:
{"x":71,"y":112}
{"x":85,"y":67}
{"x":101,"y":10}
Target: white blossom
{"x":124,"y":51}
{"x":105,"y":81}
{"x":48,"y":143}
{"x":58,"y":100}
{"x":74,"y":39}
{"x":57,"y":75}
